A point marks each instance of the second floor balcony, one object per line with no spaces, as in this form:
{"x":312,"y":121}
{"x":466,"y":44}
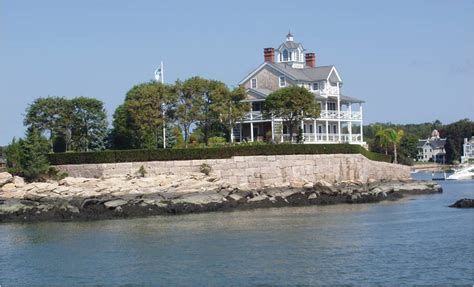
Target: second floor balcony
{"x":324,"y":115}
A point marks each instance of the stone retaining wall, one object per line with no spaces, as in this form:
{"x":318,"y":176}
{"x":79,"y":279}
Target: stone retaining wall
{"x":259,"y":171}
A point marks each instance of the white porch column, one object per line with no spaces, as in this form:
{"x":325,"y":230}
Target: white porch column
{"x":314,"y":130}
{"x":251,"y":131}
{"x":327,"y":130}
{"x":273,"y":128}
{"x":232,"y":135}
{"x":350,"y":123}
{"x":339,"y":118}
{"x":251,"y":122}
{"x":240,"y":126}
{"x":361,"y":125}
{"x":281,"y":135}
{"x":327,"y":123}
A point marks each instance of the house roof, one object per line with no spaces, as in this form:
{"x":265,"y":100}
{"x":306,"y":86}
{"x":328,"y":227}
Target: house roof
{"x":2,"y":160}
{"x":307,"y":74}
{"x":350,"y":99}
{"x":291,"y":44}
{"x":434,"y":143}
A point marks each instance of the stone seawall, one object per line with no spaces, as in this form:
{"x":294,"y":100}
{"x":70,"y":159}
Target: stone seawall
{"x":259,"y":171}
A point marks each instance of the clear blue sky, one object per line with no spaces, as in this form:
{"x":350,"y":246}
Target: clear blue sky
{"x":412,"y":61}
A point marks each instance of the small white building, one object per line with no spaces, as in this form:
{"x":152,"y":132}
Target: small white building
{"x":468,"y":150}
{"x":432,"y":149}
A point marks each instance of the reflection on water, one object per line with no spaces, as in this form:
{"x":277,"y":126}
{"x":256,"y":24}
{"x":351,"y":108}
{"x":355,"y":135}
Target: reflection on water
{"x":417,"y":240}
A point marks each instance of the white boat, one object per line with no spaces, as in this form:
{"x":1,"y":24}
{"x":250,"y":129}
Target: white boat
{"x":463,"y":173}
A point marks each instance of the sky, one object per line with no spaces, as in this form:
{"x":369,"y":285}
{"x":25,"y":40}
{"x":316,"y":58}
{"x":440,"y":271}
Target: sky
{"x":411,"y":61}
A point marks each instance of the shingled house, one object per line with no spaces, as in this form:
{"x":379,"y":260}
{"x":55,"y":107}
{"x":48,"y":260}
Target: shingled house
{"x":432,"y":149}
{"x":340,"y":120}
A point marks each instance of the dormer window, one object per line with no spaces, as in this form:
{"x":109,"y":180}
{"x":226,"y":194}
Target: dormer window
{"x":253,"y":83}
{"x":282,"y":81}
{"x":285,"y":55}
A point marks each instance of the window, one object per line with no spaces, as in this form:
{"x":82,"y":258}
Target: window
{"x":256,"y":106}
{"x":315,"y":87}
{"x":331,"y":106}
{"x":297,"y":56}
{"x":253,"y":83}
{"x":311,"y":128}
{"x":282,"y":81}
{"x":320,"y":129}
{"x":334,"y":128}
{"x":285,"y":55}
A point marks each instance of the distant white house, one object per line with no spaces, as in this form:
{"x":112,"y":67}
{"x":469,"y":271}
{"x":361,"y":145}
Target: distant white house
{"x":432,"y":149}
{"x":468,"y":150}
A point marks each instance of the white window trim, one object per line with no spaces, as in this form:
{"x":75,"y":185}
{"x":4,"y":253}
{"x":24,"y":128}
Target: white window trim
{"x":256,"y":83}
{"x":280,"y":81}
{"x":312,"y":86}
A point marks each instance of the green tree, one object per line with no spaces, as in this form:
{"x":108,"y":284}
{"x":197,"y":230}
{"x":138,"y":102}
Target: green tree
{"x":229,"y":106}
{"x":149,"y":106}
{"x":171,"y":139}
{"x":292,"y":104}
{"x":189,"y":103}
{"x":48,"y":115}
{"x":27,"y":157}
{"x":382,"y":136}
{"x":208,"y":116}
{"x":394,"y":137}
{"x":89,"y":124}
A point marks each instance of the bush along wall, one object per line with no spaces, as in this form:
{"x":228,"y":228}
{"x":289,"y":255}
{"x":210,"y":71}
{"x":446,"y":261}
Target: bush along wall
{"x":114,"y":156}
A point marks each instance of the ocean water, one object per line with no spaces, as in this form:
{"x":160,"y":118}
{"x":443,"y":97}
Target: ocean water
{"x":417,"y":240}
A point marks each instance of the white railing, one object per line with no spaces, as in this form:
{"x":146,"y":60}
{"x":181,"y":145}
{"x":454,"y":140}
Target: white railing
{"x":327,"y":138}
{"x":342,"y":115}
{"x":325,"y":115}
{"x":330,"y":90}
{"x":254,"y":116}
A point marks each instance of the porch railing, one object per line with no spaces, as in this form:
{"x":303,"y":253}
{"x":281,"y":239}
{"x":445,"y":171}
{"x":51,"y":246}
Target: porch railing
{"x":325,"y":115}
{"x":343,"y":115}
{"x":330,"y":138}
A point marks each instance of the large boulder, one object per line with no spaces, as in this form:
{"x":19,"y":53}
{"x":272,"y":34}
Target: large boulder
{"x":464,"y":203}
{"x":5,"y":178}
{"x":18,"y":181}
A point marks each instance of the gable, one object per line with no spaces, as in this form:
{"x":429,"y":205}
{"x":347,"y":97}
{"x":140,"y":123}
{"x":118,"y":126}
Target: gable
{"x":334,"y":76}
{"x":267,"y":78}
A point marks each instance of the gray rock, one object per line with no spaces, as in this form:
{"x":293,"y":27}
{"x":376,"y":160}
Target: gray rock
{"x":257,"y":198}
{"x":200,"y":198}
{"x":115,"y":203}
{"x":308,"y":186}
{"x":464,"y":203}
{"x":235,"y":197}
{"x":5,"y":178}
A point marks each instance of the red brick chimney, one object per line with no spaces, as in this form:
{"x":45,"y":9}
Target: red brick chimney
{"x":269,"y":55}
{"x":310,"y":60}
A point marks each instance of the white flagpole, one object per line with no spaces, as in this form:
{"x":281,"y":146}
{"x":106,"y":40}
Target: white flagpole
{"x":164,"y":123}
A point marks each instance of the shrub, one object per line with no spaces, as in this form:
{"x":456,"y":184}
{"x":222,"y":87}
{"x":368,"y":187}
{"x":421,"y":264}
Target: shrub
{"x":217,"y":141}
{"x":141,"y":172}
{"x":205,"y":168}
{"x":257,"y":148}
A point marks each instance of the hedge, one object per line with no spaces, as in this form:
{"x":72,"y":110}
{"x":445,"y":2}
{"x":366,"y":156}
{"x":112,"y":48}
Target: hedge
{"x":113,"y":156}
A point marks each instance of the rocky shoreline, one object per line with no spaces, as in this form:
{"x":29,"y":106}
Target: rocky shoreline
{"x":73,"y":199}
